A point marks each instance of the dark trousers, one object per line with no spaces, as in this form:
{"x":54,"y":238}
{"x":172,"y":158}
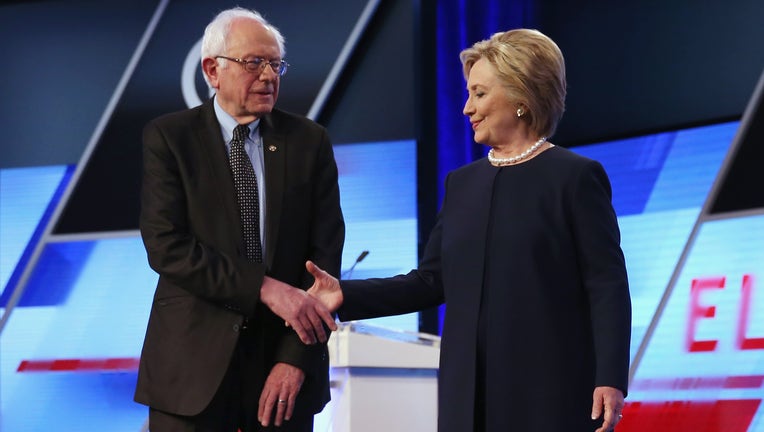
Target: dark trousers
{"x":234,"y":406}
{"x":163,"y":422}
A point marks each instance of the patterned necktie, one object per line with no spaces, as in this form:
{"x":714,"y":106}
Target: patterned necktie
{"x":247,"y":195}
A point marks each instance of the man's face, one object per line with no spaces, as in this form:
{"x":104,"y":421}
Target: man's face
{"x":242,"y":94}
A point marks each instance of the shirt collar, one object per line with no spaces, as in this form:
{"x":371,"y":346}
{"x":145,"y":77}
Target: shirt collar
{"x":228,"y":123}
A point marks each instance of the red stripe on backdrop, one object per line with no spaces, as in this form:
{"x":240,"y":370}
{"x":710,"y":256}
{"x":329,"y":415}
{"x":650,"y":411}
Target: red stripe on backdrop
{"x":121,"y":364}
{"x":717,"y":382}
{"x":689,"y":416}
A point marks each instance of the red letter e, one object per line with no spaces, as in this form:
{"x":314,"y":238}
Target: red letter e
{"x":697,"y":311}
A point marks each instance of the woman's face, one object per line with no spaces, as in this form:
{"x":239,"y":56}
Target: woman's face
{"x":493,"y":117}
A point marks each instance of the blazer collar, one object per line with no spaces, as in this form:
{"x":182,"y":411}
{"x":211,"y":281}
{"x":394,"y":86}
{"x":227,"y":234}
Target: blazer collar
{"x":211,"y":143}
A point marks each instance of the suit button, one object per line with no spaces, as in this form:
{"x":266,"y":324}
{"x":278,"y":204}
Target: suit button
{"x":235,"y":327}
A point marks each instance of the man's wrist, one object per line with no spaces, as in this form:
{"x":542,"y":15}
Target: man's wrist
{"x":268,"y":290}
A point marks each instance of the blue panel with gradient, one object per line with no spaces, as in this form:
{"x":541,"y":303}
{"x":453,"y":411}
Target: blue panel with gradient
{"x":660,"y":183}
{"x":28,"y":197}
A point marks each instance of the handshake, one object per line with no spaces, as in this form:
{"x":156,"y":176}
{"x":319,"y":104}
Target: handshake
{"x":305,"y":312}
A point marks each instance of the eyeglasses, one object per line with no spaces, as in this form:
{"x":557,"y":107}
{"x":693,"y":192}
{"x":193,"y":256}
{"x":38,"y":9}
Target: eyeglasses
{"x":257,"y":65}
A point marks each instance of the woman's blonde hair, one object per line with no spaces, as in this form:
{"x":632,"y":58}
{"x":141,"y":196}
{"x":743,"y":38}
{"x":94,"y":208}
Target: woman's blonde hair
{"x":532,"y":69}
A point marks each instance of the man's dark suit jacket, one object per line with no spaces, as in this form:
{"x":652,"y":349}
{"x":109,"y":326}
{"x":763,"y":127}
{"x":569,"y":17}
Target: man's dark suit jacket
{"x":190,"y":227}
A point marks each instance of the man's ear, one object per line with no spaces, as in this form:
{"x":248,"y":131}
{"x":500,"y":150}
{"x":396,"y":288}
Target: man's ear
{"x":211,"y":70}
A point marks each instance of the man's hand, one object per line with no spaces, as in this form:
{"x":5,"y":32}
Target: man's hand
{"x":280,"y":390}
{"x":303,"y":313}
{"x":326,"y":287}
{"x":612,"y":400}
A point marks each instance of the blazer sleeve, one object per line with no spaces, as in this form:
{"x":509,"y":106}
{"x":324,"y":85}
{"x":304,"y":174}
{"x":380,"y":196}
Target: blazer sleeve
{"x":603,"y":271}
{"x":419,"y":289}
{"x":174,"y":228}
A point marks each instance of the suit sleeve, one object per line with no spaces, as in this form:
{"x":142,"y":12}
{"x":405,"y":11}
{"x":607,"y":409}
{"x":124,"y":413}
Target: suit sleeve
{"x":326,"y":242}
{"x":175,"y":249}
{"x":603,"y":270}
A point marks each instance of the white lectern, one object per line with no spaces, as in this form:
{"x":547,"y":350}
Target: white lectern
{"x":382,"y":380}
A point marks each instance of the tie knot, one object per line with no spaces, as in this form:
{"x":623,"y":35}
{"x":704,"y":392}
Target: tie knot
{"x":240,"y":133}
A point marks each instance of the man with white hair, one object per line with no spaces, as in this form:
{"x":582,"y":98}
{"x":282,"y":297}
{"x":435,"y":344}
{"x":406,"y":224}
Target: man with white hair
{"x":236,"y":197}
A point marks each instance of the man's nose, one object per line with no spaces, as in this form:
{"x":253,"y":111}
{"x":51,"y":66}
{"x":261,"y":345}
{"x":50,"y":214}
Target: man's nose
{"x":267,"y":73}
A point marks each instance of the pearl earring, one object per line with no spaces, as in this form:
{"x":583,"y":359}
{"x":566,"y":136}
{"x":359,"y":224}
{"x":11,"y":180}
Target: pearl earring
{"x":520,"y":112}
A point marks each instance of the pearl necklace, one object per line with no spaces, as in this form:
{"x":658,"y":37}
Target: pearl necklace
{"x":510,"y":160}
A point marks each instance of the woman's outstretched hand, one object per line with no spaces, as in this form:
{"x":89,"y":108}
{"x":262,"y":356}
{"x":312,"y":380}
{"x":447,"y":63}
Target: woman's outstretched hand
{"x":326,"y":287}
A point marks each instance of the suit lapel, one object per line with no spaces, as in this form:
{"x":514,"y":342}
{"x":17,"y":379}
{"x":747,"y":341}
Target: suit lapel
{"x":274,"y":152}
{"x":210,"y":141}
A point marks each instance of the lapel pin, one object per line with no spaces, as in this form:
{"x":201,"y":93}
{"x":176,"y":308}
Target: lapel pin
{"x":272,"y":148}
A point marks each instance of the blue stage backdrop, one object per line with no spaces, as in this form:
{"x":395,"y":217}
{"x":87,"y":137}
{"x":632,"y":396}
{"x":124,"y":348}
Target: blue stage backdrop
{"x":68,"y":352}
